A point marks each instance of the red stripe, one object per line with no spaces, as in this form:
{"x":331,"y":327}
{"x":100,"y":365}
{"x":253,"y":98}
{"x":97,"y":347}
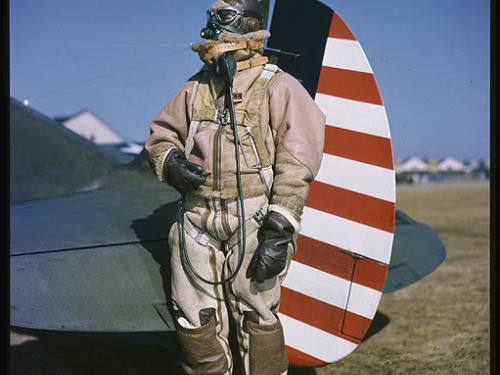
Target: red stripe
{"x":364,"y":209}
{"x":355,"y":325}
{"x":349,"y":84}
{"x":316,"y":313}
{"x":339,"y":29}
{"x":341,"y":263}
{"x":366,"y":148}
{"x":324,"y":257}
{"x":300,"y":359}
{"x":370,"y":273}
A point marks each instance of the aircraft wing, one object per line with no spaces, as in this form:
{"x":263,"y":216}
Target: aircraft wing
{"x":93,"y":261}
{"x":417,"y":251}
{"x":43,"y":150}
{"x":88,"y":237}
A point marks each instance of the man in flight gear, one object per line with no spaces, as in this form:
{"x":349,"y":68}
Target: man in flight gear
{"x":241,"y":200}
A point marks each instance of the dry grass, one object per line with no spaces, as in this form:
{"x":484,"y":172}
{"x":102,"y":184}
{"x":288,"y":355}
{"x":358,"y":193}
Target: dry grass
{"x":440,"y":325}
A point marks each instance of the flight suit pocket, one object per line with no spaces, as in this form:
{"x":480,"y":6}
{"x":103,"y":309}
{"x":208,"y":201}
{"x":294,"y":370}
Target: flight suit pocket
{"x":202,"y":152}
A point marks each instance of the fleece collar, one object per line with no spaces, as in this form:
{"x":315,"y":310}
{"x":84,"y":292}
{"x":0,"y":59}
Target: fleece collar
{"x":210,"y":50}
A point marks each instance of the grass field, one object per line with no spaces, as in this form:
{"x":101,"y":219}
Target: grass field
{"x":440,"y":325}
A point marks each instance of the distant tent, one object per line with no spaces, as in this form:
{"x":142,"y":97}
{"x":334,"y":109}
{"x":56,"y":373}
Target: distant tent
{"x":422,"y":171}
{"x":432,"y":165}
{"x":447,"y":169}
{"x":412,"y":170}
{"x":89,"y":126}
{"x":412,"y":164}
{"x":451,"y":165}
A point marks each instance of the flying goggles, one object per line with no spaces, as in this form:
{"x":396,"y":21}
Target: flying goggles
{"x":226,"y":19}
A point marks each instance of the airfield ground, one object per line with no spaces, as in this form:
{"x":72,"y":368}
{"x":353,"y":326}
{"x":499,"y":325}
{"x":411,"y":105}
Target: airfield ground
{"x":440,"y":325}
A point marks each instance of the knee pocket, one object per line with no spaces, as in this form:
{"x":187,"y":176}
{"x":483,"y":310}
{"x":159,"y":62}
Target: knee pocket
{"x":203,"y":353}
{"x":267,"y":348}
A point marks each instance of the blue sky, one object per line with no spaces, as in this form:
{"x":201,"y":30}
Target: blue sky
{"x":124,"y":59}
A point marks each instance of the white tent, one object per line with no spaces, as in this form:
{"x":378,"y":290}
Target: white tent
{"x":450,"y":165}
{"x":412,"y":164}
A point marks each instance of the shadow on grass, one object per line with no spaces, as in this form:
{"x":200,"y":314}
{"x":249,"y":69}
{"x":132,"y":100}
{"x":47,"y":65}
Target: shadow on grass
{"x":301,"y":371}
{"x":379,"y":322}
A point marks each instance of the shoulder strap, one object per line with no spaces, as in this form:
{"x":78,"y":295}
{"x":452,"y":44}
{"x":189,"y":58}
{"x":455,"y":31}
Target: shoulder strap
{"x":252,"y":105}
{"x":193,"y":126}
{"x":258,"y":88}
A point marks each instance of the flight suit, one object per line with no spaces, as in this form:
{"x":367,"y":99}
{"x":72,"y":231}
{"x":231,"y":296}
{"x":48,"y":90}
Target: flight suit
{"x":281,"y":133}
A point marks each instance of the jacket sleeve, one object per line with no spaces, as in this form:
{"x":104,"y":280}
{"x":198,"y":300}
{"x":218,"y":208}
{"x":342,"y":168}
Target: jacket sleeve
{"x":299,"y":128}
{"x":169,"y":129}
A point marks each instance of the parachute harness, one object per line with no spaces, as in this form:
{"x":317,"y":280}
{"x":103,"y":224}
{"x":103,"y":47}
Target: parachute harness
{"x":226,"y":68}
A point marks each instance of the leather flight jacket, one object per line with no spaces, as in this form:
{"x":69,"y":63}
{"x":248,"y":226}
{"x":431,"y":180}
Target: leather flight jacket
{"x":281,"y":131}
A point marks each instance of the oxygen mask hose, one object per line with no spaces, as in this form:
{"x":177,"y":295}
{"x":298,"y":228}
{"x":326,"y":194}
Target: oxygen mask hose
{"x":226,"y":69}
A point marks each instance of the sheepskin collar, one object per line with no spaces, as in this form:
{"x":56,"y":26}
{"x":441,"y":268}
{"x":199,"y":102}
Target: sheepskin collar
{"x":240,"y":55}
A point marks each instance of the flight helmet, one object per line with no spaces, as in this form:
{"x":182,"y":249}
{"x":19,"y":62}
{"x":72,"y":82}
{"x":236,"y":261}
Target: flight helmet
{"x":234,"y":16}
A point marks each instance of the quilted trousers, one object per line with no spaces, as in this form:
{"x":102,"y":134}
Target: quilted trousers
{"x":202,"y":310}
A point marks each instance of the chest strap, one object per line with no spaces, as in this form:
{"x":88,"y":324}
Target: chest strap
{"x":251,"y":62}
{"x":251,"y":104}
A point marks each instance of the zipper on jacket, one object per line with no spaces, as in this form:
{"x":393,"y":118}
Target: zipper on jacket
{"x":216,"y":156}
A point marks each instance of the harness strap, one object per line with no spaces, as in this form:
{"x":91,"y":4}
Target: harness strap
{"x":264,"y":162}
{"x":193,"y":128}
{"x":216,"y":115}
{"x":203,"y":238}
{"x":250,"y":63}
{"x":246,"y":113}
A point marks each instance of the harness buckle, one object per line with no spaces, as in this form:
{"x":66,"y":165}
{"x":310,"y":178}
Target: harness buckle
{"x":222,"y":116}
{"x":259,"y":217}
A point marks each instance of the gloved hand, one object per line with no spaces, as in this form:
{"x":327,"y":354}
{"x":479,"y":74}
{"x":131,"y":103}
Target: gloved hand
{"x":271,"y":254}
{"x":183,"y":175}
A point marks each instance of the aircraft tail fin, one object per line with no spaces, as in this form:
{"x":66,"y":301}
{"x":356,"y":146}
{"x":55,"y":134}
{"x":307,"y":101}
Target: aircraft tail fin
{"x":300,"y":27}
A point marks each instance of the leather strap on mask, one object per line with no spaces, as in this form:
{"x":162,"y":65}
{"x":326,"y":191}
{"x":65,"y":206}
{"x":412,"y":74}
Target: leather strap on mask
{"x":250,"y":63}
{"x":219,"y":49}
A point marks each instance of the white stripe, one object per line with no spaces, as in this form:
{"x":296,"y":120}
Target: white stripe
{"x":332,"y":289}
{"x":363,"y":301}
{"x":318,"y":284}
{"x":354,"y":115}
{"x":313,"y":341}
{"x":346,"y":54}
{"x":364,"y":240}
{"x":359,"y":177}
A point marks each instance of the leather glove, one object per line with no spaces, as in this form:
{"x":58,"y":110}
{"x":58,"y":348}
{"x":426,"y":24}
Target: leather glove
{"x":180,"y":173}
{"x":271,"y":255}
